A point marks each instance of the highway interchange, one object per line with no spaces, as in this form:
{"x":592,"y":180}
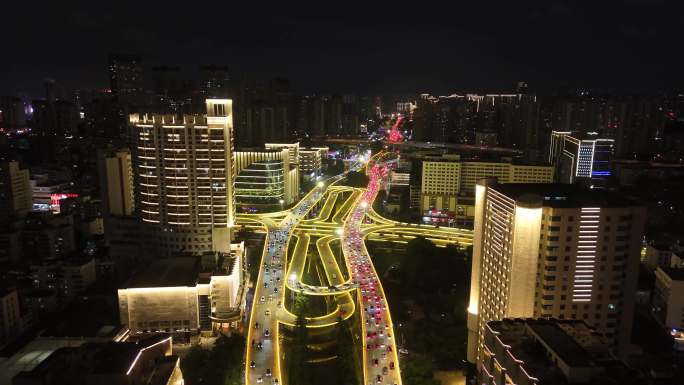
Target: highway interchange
{"x":332,"y":215}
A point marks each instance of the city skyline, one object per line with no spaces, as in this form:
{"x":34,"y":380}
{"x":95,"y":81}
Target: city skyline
{"x":617,"y":46}
{"x":431,"y":193}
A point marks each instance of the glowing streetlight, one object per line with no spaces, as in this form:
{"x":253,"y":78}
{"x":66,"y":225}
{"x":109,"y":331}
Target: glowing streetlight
{"x":321,"y":184}
{"x":339,"y":231}
{"x":364,"y":204}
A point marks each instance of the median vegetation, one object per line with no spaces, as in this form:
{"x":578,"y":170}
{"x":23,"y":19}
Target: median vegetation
{"x":355,"y":179}
{"x":315,"y":354}
{"x":427,"y":289}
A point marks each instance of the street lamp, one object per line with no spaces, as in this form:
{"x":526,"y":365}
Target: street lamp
{"x":364,"y":204}
{"x":339,"y":231}
{"x":281,"y":204}
{"x":321,"y":184}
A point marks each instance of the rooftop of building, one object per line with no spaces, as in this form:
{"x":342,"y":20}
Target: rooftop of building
{"x":582,"y":135}
{"x":86,"y":317}
{"x":75,"y":363}
{"x":560,"y":342}
{"x":573,"y":341}
{"x":259,"y":149}
{"x":479,"y":158}
{"x":563,"y":195}
{"x":168,"y":272}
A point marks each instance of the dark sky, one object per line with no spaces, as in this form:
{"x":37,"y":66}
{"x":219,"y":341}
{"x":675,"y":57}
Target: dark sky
{"x":330,"y":46}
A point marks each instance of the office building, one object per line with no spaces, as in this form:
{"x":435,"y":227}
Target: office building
{"x":184,"y":294}
{"x":266,"y":177}
{"x":448,"y":185}
{"x":184,"y":175}
{"x":548,"y":352}
{"x":580,"y":156}
{"x":116,"y":182}
{"x":554,"y":251}
{"x":148,"y":362}
{"x":125,"y":76}
{"x":15,"y":192}
{"x":10,"y":315}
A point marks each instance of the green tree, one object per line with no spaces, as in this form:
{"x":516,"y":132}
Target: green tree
{"x":345,"y":354}
{"x":356,"y":179}
{"x":222,"y":365}
{"x":418,"y":371}
{"x":300,"y":335}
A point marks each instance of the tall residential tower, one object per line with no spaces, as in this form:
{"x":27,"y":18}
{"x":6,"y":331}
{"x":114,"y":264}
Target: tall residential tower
{"x":184,"y":173}
{"x":553,"y":251}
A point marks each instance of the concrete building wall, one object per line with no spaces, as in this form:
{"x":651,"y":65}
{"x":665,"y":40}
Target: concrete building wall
{"x":159,"y":308}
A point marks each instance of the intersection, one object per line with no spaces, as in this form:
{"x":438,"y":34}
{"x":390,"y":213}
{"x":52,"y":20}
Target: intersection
{"x":327,"y":217}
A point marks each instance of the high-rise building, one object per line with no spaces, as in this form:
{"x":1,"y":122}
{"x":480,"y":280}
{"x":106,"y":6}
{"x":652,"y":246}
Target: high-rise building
{"x":554,"y":251}
{"x":580,"y":156}
{"x":12,"y":113}
{"x":125,"y":76}
{"x":15,"y":191}
{"x":214,"y":81}
{"x":184,"y":175}
{"x":116,"y":184}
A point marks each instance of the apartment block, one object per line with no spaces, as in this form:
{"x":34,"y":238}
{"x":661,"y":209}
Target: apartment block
{"x":554,"y":251}
{"x":184,"y":176}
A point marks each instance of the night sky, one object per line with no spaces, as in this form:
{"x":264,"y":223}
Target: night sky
{"x":340,"y":46}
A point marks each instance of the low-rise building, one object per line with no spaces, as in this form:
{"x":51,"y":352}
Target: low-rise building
{"x":149,"y":362}
{"x":668,"y":301}
{"x":185,"y":294}
{"x":657,"y":255}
